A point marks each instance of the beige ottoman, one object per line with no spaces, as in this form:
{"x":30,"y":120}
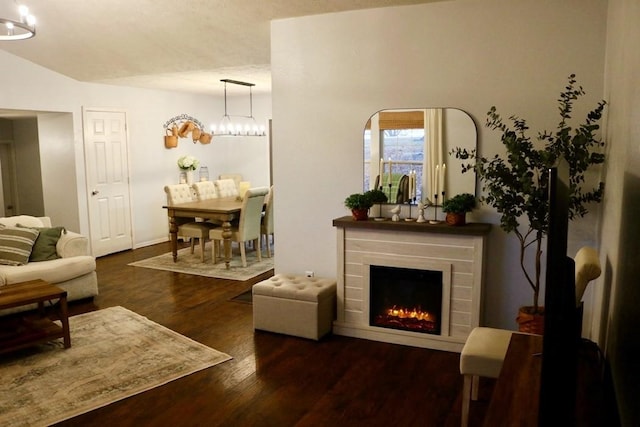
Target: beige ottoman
{"x":481,"y":356}
{"x":295,"y":305}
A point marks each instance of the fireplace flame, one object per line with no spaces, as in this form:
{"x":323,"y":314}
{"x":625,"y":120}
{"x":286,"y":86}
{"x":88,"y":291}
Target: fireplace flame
{"x":413,"y":313}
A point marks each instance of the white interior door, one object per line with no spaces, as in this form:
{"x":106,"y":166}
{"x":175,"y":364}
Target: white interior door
{"x":107,"y":170}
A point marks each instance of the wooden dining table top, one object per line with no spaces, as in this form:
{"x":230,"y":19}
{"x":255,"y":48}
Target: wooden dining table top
{"x":220,"y":205}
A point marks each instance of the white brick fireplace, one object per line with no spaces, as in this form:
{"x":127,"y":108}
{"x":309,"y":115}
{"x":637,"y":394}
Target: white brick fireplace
{"x":457,"y":252}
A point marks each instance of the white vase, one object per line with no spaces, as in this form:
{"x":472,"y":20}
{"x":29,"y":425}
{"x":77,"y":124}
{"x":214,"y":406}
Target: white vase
{"x":189,"y":177}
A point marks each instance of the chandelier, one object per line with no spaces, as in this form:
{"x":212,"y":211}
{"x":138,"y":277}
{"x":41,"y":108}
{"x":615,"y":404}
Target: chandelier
{"x":21,"y":29}
{"x":233,"y":125}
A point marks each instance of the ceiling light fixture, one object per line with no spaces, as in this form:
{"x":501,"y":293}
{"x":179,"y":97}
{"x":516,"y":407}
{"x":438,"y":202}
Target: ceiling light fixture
{"x":241,"y":125}
{"x":25,"y":28}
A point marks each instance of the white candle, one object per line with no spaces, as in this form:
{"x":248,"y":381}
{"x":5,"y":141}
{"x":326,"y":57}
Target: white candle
{"x":411,"y":184}
{"x":444,"y":174}
{"x":413,"y":192}
{"x":389,"y":171}
{"x":381,"y":171}
{"x":436,"y":181}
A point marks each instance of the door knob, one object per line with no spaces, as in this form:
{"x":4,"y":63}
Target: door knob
{"x":94,"y":192}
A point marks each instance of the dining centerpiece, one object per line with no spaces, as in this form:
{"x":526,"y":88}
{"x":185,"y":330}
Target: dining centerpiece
{"x":187,"y":165}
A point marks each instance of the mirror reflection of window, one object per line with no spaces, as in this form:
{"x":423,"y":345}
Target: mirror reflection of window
{"x":403,"y":146}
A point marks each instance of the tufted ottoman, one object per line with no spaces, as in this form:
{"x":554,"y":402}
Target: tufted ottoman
{"x":295,"y":305}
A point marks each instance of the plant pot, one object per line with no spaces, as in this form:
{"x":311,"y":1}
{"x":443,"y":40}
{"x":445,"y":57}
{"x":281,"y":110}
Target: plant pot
{"x":456,"y":218}
{"x":360,"y":214}
{"x":529,"y":322}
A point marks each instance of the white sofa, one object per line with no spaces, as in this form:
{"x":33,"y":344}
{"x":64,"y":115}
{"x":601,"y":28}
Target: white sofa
{"x":74,"y":271}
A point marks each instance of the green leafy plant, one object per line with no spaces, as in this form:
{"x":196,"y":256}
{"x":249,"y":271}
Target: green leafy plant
{"x":358,"y":201}
{"x":460,"y":203}
{"x":377,"y":196}
{"x":517,"y":186}
{"x":365,"y":200}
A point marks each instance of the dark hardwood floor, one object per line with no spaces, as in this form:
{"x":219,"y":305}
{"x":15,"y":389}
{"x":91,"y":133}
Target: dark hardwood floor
{"x":272,"y":380}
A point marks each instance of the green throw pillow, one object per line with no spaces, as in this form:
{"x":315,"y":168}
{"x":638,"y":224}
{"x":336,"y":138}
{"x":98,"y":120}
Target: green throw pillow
{"x":16,"y":244}
{"x":44,"y":249}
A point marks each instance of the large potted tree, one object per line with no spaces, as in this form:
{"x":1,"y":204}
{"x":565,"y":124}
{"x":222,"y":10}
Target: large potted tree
{"x":517,"y":185}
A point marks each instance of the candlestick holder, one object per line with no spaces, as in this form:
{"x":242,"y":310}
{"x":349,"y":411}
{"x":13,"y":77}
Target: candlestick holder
{"x":410,"y":218}
{"x":389,"y":191}
{"x":435,"y":211}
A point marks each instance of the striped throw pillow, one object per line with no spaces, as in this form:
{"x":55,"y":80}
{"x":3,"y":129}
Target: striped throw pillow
{"x":16,"y":244}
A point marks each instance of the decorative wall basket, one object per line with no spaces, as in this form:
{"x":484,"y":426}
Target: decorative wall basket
{"x":170,"y":140}
{"x":205,"y":138}
{"x":183,"y":126}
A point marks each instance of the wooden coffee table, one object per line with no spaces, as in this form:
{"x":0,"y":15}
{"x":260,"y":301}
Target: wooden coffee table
{"x":27,"y":331}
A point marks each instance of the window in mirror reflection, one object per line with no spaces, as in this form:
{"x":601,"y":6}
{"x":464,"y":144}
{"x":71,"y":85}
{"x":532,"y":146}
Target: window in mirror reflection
{"x":401,"y":153}
{"x":403,"y":150}
{"x":408,"y":148}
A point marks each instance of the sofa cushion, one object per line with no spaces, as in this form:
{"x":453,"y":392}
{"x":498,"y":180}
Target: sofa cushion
{"x":54,"y":271}
{"x":16,"y":244}
{"x":44,"y":249}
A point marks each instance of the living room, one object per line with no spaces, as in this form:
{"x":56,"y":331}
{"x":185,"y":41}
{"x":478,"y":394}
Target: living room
{"x":463,"y":54}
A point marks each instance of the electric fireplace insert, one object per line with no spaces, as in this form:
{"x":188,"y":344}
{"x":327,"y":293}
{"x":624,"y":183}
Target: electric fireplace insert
{"x":405,"y":299}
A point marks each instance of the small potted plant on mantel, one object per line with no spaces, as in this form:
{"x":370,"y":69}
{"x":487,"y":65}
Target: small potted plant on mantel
{"x":457,"y":207}
{"x":360,"y":203}
{"x":517,"y":186}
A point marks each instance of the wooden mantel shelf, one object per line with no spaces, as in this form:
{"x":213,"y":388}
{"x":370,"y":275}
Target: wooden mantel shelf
{"x":470,"y":229}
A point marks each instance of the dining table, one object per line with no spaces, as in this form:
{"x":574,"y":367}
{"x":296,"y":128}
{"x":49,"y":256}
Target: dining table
{"x":225,"y":209}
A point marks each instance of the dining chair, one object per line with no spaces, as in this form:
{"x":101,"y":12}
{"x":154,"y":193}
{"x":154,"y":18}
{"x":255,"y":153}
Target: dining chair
{"x":188,"y":227}
{"x":226,"y":188}
{"x":248,"y":228}
{"x":266,"y":226}
{"x":204,"y":190}
{"x":236,"y":177}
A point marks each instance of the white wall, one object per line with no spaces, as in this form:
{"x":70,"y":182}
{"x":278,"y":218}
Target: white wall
{"x":26,"y":86}
{"x":618,"y":291}
{"x":331,"y":72}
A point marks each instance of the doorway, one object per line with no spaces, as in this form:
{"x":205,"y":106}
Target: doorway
{"x":107,"y":171}
{"x":8,"y":179}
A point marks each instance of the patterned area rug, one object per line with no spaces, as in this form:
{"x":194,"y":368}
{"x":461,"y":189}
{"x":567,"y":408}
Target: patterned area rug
{"x":190,"y":264}
{"x":115,"y":353}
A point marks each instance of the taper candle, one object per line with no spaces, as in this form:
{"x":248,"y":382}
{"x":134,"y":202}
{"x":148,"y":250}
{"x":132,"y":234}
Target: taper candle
{"x":444,"y":174}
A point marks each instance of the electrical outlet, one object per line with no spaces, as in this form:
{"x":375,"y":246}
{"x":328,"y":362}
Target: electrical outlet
{"x":308,"y":273}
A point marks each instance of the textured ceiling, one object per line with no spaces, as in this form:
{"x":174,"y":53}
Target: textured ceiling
{"x":185,"y":45}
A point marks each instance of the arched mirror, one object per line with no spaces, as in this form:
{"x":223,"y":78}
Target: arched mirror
{"x":406,"y":154}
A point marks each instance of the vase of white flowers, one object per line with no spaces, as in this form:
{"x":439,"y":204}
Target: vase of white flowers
{"x":187,"y":165}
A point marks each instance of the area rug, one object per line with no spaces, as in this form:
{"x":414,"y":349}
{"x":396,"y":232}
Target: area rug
{"x":115,"y":353}
{"x":190,"y":264}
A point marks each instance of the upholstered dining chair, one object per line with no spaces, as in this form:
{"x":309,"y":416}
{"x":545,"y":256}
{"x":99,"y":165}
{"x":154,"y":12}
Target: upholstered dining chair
{"x":248,"y":228}
{"x":226,"y":188}
{"x":236,"y":177}
{"x":266,"y":226}
{"x":204,"y":190}
{"x":188,"y":227}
